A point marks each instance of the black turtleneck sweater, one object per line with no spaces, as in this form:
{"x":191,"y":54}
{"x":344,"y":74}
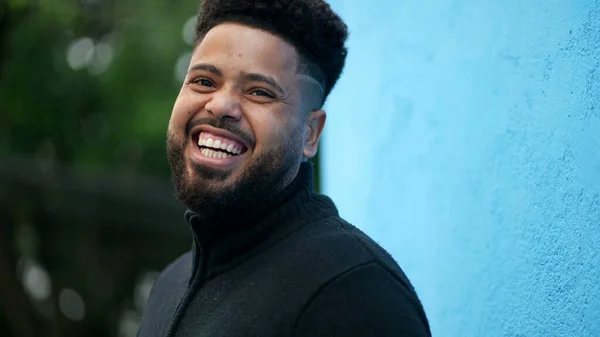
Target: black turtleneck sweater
{"x":292,"y":268}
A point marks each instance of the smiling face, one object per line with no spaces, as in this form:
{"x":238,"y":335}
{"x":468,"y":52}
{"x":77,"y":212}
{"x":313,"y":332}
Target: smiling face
{"x":242,"y":122}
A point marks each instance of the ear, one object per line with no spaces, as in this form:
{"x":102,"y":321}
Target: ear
{"x":315,"y":121}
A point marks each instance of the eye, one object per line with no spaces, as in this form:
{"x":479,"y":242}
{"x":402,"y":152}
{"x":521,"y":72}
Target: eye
{"x":203,"y":82}
{"x":262,"y":93}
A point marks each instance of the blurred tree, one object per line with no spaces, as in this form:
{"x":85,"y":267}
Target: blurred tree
{"x":86,"y":89}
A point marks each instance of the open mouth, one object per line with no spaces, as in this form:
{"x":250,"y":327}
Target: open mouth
{"x":218,"y":147}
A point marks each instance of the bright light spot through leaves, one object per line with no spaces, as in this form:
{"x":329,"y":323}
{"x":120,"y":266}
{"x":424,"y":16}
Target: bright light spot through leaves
{"x":189,"y":30}
{"x":36,"y":281}
{"x":80,"y":53}
{"x":182,"y":65}
{"x":71,"y":304}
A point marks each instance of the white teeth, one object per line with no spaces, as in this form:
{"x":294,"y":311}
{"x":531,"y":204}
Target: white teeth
{"x":218,"y":144}
{"x":214,"y":154}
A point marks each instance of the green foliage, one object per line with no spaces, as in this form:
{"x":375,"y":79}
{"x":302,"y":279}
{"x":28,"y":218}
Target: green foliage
{"x":97,"y":110}
{"x":92,"y":117}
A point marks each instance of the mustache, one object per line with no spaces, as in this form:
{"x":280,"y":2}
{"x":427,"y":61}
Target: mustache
{"x":225,"y":124}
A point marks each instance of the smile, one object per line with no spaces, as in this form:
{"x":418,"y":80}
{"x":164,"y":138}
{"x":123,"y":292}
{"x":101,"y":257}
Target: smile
{"x":217,"y":148}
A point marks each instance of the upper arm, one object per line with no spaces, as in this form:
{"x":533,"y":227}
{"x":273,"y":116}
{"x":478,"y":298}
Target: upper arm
{"x":365,"y":301}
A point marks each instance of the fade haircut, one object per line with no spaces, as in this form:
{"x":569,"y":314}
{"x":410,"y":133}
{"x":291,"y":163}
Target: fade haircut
{"x":311,"y":26}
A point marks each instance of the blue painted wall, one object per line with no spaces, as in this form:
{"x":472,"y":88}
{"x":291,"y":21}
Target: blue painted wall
{"x":464,"y":136}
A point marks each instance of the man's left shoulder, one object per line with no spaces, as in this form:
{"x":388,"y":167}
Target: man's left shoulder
{"x":341,"y":240}
{"x":335,"y":245}
{"x":360,"y":276}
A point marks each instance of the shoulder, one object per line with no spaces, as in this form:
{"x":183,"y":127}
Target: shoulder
{"x":360,"y":283}
{"x":176,"y":273}
{"x":172,"y":281}
{"x":336,"y":241}
{"x":165,"y":295}
{"x":376,"y":252}
{"x":365,"y":300}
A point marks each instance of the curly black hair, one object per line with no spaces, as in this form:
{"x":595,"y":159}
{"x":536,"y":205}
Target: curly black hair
{"x":311,"y":26}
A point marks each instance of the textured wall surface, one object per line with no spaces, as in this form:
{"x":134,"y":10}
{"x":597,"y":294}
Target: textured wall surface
{"x":464,"y":136}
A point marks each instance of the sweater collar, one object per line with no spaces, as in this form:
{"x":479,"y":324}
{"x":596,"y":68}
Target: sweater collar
{"x":223,"y":245}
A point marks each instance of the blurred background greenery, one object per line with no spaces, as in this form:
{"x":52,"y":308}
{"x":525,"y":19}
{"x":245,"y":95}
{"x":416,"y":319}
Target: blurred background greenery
{"x":87,"y":217}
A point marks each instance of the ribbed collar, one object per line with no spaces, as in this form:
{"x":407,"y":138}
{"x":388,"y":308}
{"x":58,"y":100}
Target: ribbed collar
{"x":225,"y":244}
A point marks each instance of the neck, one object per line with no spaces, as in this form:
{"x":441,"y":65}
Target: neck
{"x":228,"y":237}
{"x":228,"y":220}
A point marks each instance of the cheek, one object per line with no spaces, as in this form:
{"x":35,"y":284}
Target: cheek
{"x":267,"y":129}
{"x":186,"y":105}
{"x":275,"y":134}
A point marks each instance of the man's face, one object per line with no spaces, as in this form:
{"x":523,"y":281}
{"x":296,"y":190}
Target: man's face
{"x":241,"y":123}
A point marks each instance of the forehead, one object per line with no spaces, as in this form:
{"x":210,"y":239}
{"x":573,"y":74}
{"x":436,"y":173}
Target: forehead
{"x":235,"y":47}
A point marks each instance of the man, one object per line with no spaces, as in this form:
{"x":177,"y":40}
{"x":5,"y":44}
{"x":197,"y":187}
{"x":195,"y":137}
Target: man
{"x":269,"y":256}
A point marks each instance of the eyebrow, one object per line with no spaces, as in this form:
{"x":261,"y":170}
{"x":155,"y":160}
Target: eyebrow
{"x":207,"y":67}
{"x":253,"y":77}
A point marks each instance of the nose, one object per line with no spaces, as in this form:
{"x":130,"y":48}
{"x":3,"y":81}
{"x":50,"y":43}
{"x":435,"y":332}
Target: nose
{"x":224,"y":104}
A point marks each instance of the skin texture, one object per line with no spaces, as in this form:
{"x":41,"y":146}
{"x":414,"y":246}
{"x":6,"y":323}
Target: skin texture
{"x":278,"y":124}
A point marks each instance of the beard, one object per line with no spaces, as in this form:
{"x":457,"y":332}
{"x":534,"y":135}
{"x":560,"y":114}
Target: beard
{"x":221,"y":195}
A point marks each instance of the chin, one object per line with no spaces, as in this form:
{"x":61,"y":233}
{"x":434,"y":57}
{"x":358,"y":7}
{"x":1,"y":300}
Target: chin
{"x":202,"y":174}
